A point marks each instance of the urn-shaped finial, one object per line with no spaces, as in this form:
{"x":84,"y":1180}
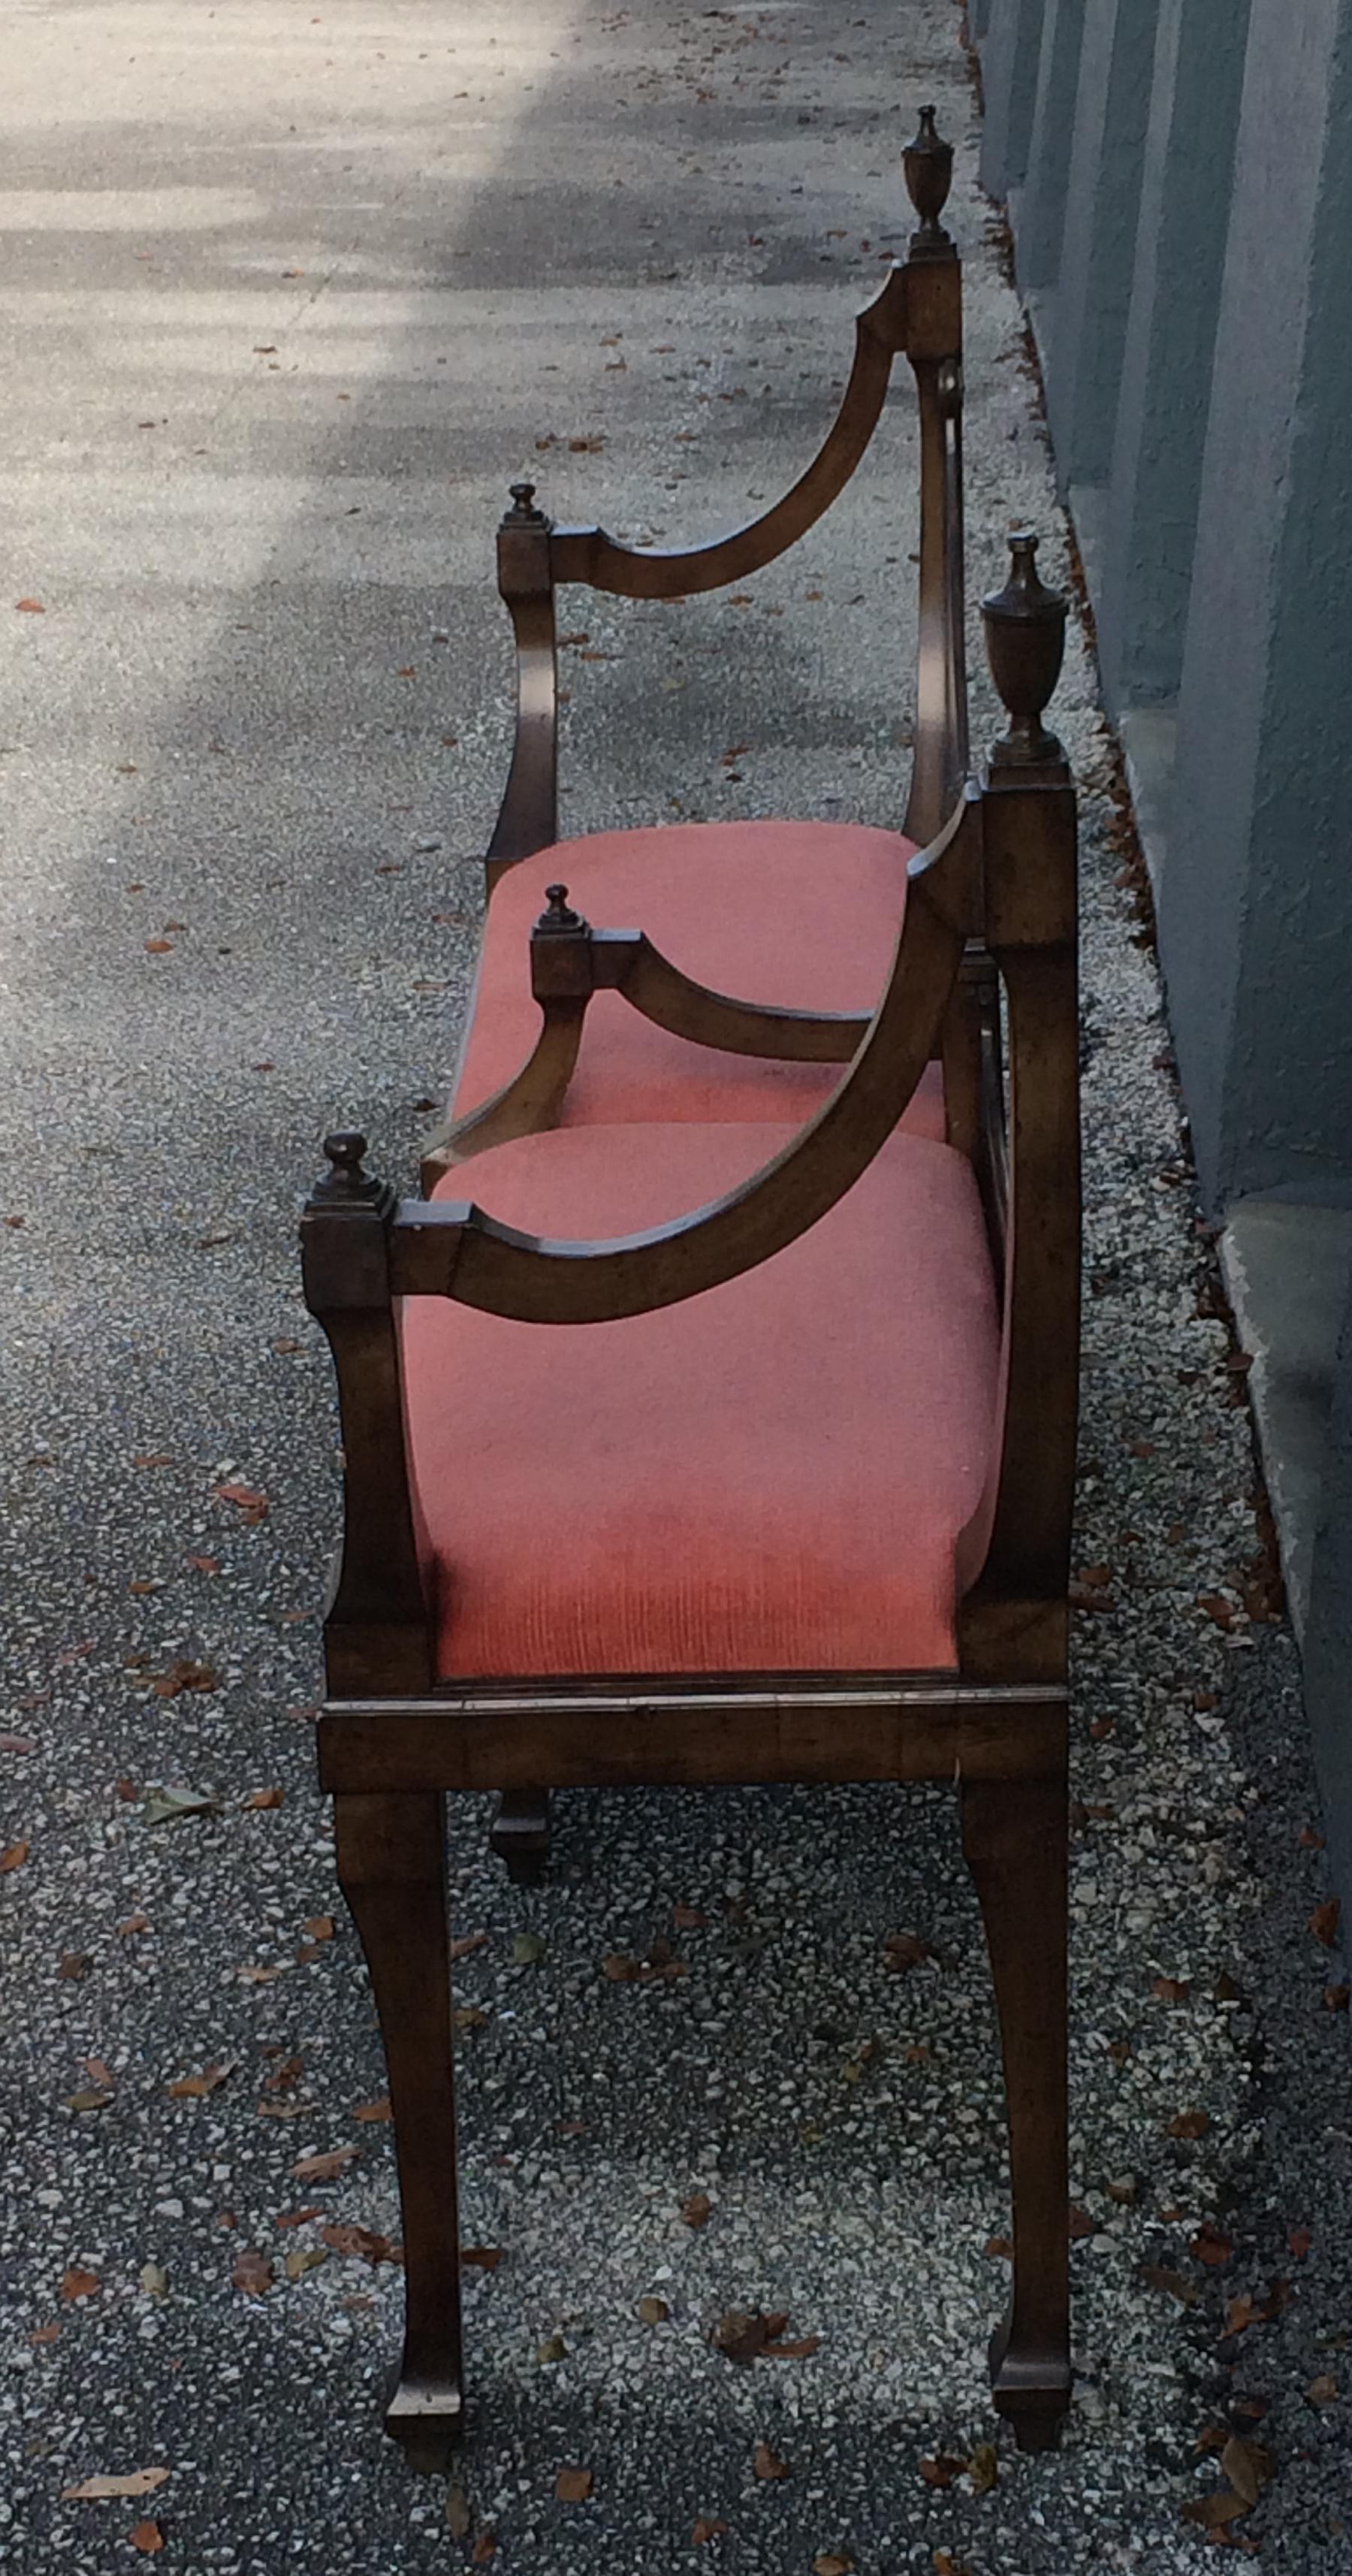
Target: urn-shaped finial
{"x":928,"y":164}
{"x":1025,"y":627}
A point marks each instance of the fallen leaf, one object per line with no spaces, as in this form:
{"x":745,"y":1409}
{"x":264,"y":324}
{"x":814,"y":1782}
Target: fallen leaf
{"x":905,"y":1950}
{"x":168,"y":1806}
{"x":1336,"y":1998}
{"x":319,"y":1927}
{"x":1122,"y":2188}
{"x":13,"y":1856}
{"x":620,"y":1970}
{"x":998,"y":2248}
{"x":184,"y":1676}
{"x":294,"y":2217}
{"x":983,"y":2469}
{"x":18,"y":1743}
{"x":193,"y":2088}
{"x":1299,"y":2240}
{"x":653,"y":2311}
{"x":945,"y":2564}
{"x":45,"y":2334}
{"x":1212,"y":2511}
{"x":357,"y":2241}
{"x":688,"y":1918}
{"x":154,"y":2280}
{"x":205,"y":1564}
{"x":573,"y":2486}
{"x":707,"y":2527}
{"x":76,"y":2284}
{"x":132,"y":1923}
{"x":485,"y":2258}
{"x":697,"y":2209}
{"x":285,"y":2075}
{"x":1323,"y":2391}
{"x":324,"y":2168}
{"x":1310,"y":1838}
{"x":942,"y":2469}
{"x":155,"y":1458}
{"x":1188,"y":2124}
{"x":147,"y":2537}
{"x":743,"y":2337}
{"x":1156,"y":2276}
{"x":245,"y":1499}
{"x":1210,"y":2247}
{"x":304,"y":2258}
{"x":91,"y":2097}
{"x":136,"y":2482}
{"x":252,"y":2273}
{"x":528,"y":1948}
{"x":1217,"y":1608}
{"x":158,"y":947}
{"x":1324,"y":1922}
{"x":1247,"y":2466}
{"x":255,"y":1976}
{"x":373,"y":2111}
{"x":766,"y":2463}
{"x":484,"y":2548}
{"x":30,"y":608}
{"x":1080,"y":2224}
{"x":259,"y":1799}
{"x":459,"y":2519}
{"x":552,"y":2349}
{"x":1171,"y":1990}
{"x":832,"y":2562}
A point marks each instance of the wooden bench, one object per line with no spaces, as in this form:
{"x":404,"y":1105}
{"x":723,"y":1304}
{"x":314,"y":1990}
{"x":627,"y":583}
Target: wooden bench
{"x":734,"y":1442}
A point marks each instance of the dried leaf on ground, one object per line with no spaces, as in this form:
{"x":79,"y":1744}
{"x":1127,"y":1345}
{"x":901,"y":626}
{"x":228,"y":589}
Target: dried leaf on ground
{"x":485,"y":2258}
{"x":319,"y":1927}
{"x":252,"y":2273}
{"x":905,"y":1950}
{"x":324,"y":2168}
{"x":1188,"y":2124}
{"x":73,"y":1966}
{"x":135,"y":2482}
{"x":1324,"y":1922}
{"x":766,"y":2463}
{"x":245,"y":1498}
{"x":1157,"y":2276}
{"x":193,"y":2088}
{"x":295,"y":2217}
{"x":696,"y":2211}
{"x":1298,"y":2242}
{"x":78,"y":2284}
{"x":459,"y":2519}
{"x":1210,"y":2246}
{"x":573,"y":2486}
{"x":1336,"y":1997}
{"x":91,"y":2097}
{"x":1323,"y":2391}
{"x":551,"y":2350}
{"x":361,"y":2241}
{"x":304,"y":2258}
{"x":999,"y":2248}
{"x":707,"y":2527}
{"x":13,"y":1856}
{"x":1079,"y":2224}
{"x":528,"y":1948}
{"x":983,"y":2469}
{"x":653,"y":2312}
{"x":1248,"y":2466}
{"x":1171,"y":1990}
{"x":184,"y":1675}
{"x":373,"y":2111}
{"x":688,"y":1918}
{"x":131,"y":1924}
{"x":154,"y":2280}
{"x":166,"y":1805}
{"x":484,"y":2548}
{"x":285,"y":2075}
{"x":832,"y":2562}
{"x":147,"y":2537}
{"x":942,"y":2469}
{"x":260,"y":1799}
{"x":1215,"y":2510}
{"x":619,"y":1969}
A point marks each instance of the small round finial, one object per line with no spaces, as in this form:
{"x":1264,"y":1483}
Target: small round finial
{"x":523,"y":512}
{"x":1025,"y":625}
{"x":928,"y":164}
{"x":346,"y":1184}
{"x":559,"y":914}
{"x":345,"y":1150}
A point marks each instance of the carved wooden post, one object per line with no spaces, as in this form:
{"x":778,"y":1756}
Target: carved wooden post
{"x":934,"y":348}
{"x":377,"y":1631}
{"x":1015,"y":1836}
{"x":528,"y":817}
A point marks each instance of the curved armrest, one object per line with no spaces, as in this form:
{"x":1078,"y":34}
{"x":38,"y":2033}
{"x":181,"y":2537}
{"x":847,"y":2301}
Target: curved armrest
{"x":686,"y":1009}
{"x":460,"y":1252}
{"x":589,"y":555}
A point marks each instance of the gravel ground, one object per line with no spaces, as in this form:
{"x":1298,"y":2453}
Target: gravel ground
{"x":288,"y":299}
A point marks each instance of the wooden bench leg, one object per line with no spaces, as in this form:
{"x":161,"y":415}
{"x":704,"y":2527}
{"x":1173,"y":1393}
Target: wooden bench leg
{"x":392,"y":1869}
{"x":520,"y":1834}
{"x":1014,"y":1833}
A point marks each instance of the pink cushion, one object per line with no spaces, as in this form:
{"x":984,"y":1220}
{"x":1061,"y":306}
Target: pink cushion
{"x":799,"y":914}
{"x":784,"y":1474}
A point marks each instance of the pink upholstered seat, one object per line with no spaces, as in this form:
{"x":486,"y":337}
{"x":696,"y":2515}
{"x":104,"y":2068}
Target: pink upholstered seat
{"x":784,"y":1474}
{"x":799,"y":914}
